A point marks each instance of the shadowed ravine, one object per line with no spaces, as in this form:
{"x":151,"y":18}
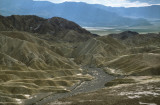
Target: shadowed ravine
{"x":100,"y":78}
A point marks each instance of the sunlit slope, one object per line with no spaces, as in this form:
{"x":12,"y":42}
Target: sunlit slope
{"x":33,"y":55}
{"x":139,"y":63}
{"x":97,"y":51}
{"x":29,"y":65}
{"x":142,"y":55}
{"x":135,"y":64}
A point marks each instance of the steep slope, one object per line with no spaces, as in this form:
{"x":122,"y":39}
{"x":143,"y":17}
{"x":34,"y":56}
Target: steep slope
{"x":127,"y":53}
{"x":33,"y":67}
{"x":8,"y":62}
{"x":135,"y":56}
{"x":29,"y":65}
{"x":136,"y":64}
{"x":141,"y":57}
{"x":30,"y":53}
{"x":76,"y":12}
{"x":56,"y":28}
{"x":97,"y":51}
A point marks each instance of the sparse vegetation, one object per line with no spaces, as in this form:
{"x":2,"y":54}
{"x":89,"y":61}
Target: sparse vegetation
{"x":46,"y":62}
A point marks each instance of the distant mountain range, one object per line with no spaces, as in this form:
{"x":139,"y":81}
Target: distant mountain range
{"x":148,"y":12}
{"x":79,"y":12}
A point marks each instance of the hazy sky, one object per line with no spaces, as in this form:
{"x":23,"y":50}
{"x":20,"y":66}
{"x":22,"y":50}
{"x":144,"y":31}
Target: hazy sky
{"x":114,"y":3}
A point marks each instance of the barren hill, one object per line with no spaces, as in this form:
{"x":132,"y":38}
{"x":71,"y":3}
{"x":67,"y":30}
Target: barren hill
{"x":50,"y":55}
{"x":97,"y":51}
{"x":29,"y":65}
{"x":141,"y":56}
{"x":56,"y":27}
{"x":130,"y":38}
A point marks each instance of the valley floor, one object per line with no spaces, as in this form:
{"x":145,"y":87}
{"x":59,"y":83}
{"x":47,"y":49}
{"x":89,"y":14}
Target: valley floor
{"x":154,"y":28}
{"x":100,"y":78}
{"x":144,"y":92}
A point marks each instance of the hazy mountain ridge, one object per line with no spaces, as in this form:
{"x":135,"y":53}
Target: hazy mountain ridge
{"x":145,"y":12}
{"x":95,"y":16}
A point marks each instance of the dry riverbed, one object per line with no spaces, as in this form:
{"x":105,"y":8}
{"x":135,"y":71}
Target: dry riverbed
{"x":100,"y":78}
{"x":145,"y":91}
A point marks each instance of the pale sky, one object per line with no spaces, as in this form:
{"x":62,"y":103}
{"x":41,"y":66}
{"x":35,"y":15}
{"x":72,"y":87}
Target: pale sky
{"x":113,"y":3}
